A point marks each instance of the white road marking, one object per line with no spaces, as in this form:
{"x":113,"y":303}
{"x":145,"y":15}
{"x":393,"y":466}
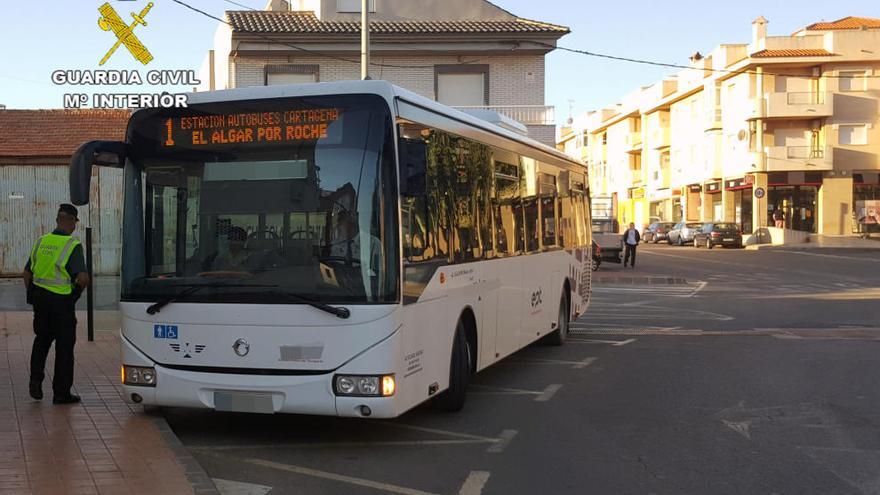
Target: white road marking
{"x":441,"y":432}
{"x":741,"y":427}
{"x":351,"y":480}
{"x":474,"y":483}
{"x":574,"y":364}
{"x":503,"y":441}
{"x":548,"y":392}
{"x":616,"y":343}
{"x":229,"y":487}
{"x":502,"y":390}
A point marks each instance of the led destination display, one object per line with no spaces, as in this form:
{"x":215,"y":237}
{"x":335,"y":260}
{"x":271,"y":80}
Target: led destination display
{"x":245,"y":128}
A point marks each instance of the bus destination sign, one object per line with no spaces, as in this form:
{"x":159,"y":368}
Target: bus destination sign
{"x":249,"y":128}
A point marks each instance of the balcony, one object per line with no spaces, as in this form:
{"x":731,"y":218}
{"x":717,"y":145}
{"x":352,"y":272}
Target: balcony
{"x":713,"y":120}
{"x":660,"y":138}
{"x":794,"y":105}
{"x":524,"y":114}
{"x":792,"y":158}
{"x":634,"y":142}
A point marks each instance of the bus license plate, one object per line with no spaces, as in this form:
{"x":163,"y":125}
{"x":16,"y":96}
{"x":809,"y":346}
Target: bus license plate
{"x":249,"y":402}
{"x":728,"y":240}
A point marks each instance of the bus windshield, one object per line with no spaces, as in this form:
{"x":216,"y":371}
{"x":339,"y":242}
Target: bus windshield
{"x":262,"y":200}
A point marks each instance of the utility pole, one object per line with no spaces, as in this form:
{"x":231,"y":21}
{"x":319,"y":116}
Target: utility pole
{"x":365,"y":39}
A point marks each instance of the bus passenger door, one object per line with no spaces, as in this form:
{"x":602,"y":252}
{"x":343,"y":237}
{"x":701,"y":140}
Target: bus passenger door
{"x":509,"y":306}
{"x":489,"y":325}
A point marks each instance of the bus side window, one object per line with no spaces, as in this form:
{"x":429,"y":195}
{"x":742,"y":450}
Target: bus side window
{"x":549,"y":228}
{"x":530,"y":203}
{"x":506,"y":214}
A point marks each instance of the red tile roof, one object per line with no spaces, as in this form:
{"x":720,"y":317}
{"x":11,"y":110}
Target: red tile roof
{"x":57,"y":133}
{"x":260,"y":21}
{"x":799,"y":52}
{"x":846,"y":23}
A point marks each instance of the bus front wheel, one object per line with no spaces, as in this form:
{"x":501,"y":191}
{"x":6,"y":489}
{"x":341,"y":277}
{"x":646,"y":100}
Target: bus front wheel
{"x":558,"y":336}
{"x":452,"y":399}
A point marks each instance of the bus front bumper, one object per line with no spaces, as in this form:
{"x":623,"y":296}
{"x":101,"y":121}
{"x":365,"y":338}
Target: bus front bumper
{"x":295,"y":394}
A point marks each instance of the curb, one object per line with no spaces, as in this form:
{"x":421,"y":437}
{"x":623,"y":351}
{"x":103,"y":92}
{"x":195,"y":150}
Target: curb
{"x":645,"y":280}
{"x":807,"y":246}
{"x":201,"y":483}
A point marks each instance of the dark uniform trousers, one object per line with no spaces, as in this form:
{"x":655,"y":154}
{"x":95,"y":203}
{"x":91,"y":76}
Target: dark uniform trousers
{"x":54,"y":320}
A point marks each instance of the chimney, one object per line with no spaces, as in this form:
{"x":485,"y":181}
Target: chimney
{"x":759,"y":33}
{"x":696,"y":57}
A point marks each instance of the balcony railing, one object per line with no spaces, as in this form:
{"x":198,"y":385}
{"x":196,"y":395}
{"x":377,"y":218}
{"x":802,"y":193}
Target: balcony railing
{"x":804,"y":152}
{"x":782,"y":158}
{"x":806,"y":98}
{"x":796,"y":104}
{"x":525,"y":114}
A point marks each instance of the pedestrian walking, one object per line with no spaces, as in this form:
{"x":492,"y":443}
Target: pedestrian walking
{"x":55,"y":276}
{"x":631,"y":239}
{"x":778,"y":218}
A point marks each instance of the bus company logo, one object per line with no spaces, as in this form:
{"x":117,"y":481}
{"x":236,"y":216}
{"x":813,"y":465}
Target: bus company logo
{"x":110,"y":21}
{"x":537,"y":299}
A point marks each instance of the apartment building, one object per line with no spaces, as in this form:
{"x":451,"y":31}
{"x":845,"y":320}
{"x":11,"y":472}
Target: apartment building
{"x":469,"y":54}
{"x":782,"y":122}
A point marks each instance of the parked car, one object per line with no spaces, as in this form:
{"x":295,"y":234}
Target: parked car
{"x":718,"y":234}
{"x":657,"y":231}
{"x":606,"y":236}
{"x":683,"y":233}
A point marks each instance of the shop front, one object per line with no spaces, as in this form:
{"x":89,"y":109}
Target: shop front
{"x":866,"y":202}
{"x":741,"y":190}
{"x":714,"y":206}
{"x":677,"y":208}
{"x":693,"y":202}
{"x":660,"y":205}
{"x":796,"y":195}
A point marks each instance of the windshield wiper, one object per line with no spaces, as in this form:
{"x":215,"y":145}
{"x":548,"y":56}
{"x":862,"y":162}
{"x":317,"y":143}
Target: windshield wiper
{"x":338,"y":311}
{"x":193,"y":288}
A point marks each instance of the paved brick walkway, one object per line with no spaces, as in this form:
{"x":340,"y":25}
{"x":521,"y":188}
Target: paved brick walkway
{"x":103,"y":445}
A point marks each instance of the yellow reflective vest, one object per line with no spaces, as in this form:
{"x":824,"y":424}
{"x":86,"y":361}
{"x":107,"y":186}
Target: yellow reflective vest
{"x":49,"y":259}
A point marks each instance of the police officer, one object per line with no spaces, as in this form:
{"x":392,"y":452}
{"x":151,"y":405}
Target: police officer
{"x":55,"y":276}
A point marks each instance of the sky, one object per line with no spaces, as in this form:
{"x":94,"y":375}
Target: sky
{"x":66,"y":36}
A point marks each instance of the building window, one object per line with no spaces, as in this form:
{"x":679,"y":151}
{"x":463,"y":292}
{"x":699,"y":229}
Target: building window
{"x":852,"y":80}
{"x":291,"y":74}
{"x":353,"y":5}
{"x":853,"y":134}
{"x":462,"y":85}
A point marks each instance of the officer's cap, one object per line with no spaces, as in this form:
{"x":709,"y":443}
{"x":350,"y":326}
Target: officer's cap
{"x":69,"y":210}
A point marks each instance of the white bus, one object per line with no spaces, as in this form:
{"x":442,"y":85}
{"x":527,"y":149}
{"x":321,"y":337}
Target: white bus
{"x":346,"y":249}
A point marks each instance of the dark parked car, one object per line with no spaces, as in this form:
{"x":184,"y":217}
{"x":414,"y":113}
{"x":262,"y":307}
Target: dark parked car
{"x":718,"y":234}
{"x":657,"y":231}
{"x":683,"y":233}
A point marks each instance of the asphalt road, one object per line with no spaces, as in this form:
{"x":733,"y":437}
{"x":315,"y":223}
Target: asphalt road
{"x":757,"y":376}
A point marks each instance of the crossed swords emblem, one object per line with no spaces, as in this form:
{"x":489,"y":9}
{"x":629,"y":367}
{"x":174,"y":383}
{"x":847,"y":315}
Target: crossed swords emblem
{"x":110,"y":20}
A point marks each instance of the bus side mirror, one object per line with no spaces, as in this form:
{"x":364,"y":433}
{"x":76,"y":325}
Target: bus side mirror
{"x":413,"y":167}
{"x":101,"y":153}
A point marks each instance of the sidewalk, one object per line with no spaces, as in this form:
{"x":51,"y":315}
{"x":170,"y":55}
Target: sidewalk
{"x":816,"y":241}
{"x":104,"y":445}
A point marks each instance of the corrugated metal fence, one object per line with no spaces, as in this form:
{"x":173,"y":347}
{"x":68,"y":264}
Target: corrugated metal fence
{"x":29,"y":199}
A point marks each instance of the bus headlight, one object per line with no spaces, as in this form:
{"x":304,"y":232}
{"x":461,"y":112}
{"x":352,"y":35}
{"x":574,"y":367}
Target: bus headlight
{"x":364,"y":385}
{"x":138,"y":375}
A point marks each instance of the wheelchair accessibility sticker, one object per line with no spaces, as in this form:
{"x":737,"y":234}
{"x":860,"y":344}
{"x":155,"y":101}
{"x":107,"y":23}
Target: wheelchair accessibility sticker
{"x":165,"y":332}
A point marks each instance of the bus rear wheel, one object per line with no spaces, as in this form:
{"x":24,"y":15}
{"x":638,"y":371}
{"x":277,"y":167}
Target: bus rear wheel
{"x":452,"y":399}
